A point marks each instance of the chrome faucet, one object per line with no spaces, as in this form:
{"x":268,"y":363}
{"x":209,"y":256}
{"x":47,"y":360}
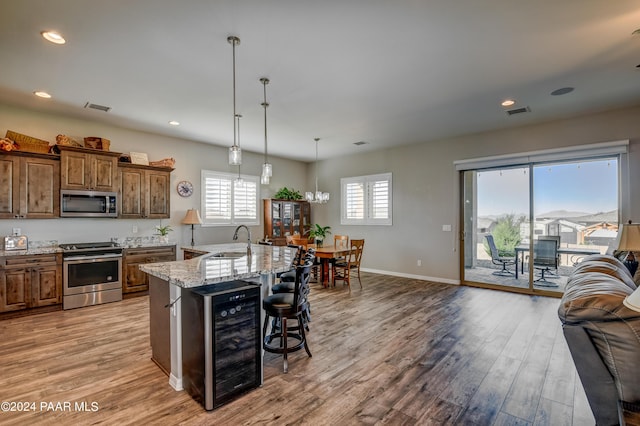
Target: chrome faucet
{"x":235,"y":237}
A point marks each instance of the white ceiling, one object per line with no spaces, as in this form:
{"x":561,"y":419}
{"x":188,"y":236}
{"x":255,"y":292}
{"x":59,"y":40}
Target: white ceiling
{"x":385,"y":72}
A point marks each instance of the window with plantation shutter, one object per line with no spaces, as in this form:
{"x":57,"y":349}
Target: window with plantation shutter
{"x":227,"y":202}
{"x":366,"y":200}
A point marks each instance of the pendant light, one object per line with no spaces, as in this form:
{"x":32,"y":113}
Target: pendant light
{"x":235,"y":153}
{"x":267,"y":169}
{"x":239,"y":181}
{"x":320,"y":197}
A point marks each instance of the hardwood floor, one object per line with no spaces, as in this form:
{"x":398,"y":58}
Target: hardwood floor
{"x":400,"y":351}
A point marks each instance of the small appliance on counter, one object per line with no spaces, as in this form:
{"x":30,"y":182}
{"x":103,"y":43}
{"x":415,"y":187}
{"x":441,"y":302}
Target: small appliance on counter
{"x":16,"y":242}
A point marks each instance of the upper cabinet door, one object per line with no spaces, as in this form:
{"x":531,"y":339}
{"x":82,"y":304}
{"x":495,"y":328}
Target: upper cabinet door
{"x":144,"y":192}
{"x":93,"y":171}
{"x":31,"y":187}
{"x":131,"y":193}
{"x":104,"y":173}
{"x":158,"y":201}
{"x":74,"y":173}
{"x":10,"y":184}
{"x":40,"y":183}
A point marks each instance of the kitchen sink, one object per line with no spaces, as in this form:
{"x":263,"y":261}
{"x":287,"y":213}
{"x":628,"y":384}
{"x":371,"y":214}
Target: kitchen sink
{"x":229,"y":254}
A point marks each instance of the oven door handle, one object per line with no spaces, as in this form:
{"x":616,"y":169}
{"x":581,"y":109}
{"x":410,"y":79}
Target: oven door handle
{"x":92,"y":258}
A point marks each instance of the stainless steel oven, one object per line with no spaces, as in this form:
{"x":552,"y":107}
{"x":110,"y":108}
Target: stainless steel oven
{"x":91,"y":274}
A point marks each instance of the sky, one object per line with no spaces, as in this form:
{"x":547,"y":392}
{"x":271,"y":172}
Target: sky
{"x":587,"y":186}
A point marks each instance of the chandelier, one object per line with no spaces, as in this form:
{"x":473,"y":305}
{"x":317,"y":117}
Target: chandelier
{"x":319,"y":197}
{"x":235,"y":153}
{"x":266,"y":166}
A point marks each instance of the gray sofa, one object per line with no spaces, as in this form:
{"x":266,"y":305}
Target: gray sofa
{"x":603,"y":335}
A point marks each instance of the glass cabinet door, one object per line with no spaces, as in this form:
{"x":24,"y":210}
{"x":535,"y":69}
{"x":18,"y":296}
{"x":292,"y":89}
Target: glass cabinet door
{"x":276,"y":219}
{"x":296,"y":218}
{"x":287,"y":217}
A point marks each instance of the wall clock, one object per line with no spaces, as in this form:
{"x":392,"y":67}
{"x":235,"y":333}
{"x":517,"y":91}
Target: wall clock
{"x":185,"y":188}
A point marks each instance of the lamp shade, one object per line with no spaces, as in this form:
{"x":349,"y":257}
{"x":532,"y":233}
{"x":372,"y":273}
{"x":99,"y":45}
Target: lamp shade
{"x":192,"y":217}
{"x":630,"y":237}
{"x":632,"y":301}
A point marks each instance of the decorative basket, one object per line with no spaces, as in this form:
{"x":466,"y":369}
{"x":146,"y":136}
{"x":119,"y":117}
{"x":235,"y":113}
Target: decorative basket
{"x":97,"y":143}
{"x":27,"y":143}
{"x":167,"y":162}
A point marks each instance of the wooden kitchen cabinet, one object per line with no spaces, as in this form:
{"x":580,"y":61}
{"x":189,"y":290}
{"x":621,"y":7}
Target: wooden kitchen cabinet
{"x":30,"y":186}
{"x":190,"y":254}
{"x":88,"y":169}
{"x":133,"y":279}
{"x":285,"y":217}
{"x":30,"y":281}
{"x":144,"y":191}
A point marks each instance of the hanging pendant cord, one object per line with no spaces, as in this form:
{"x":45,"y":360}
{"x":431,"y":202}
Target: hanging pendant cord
{"x":316,"y":139}
{"x":265,"y":81}
{"x":238,"y":116}
{"x":234,"y":40}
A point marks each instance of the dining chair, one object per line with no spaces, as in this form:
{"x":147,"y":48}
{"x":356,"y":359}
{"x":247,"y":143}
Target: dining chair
{"x":306,"y":244}
{"x":339,"y":242}
{"x":342,"y":270}
{"x":300,"y":241}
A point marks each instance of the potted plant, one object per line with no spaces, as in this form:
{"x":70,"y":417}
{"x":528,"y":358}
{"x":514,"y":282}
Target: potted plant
{"x":287,"y":194}
{"x":163,"y":231}
{"x":318,"y":233}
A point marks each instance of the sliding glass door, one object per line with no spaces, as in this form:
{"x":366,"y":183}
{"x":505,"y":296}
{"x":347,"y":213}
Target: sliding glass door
{"x":527,"y":226}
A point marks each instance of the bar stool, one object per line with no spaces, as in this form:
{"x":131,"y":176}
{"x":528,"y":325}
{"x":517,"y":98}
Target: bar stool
{"x":287,"y":282}
{"x":284,"y":306}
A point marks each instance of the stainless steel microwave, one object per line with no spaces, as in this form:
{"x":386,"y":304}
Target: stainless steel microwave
{"x":79,"y":203}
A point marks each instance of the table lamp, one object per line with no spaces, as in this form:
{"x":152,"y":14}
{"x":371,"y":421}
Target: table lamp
{"x":630,"y":241}
{"x":632,"y":301}
{"x":192,"y":218}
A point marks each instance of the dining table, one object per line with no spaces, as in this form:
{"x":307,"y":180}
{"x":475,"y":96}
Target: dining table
{"x":579,"y":251}
{"x":326,"y":254}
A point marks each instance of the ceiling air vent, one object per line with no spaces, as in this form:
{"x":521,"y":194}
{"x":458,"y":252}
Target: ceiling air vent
{"x":518,"y":110}
{"x":98,"y":107}
{"x":360,"y":143}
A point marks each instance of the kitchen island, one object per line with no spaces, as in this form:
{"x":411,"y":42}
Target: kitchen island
{"x":223,"y":263}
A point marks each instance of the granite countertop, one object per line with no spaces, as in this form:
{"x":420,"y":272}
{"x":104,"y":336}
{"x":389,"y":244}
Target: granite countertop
{"x":51,"y":246}
{"x":33,"y":248}
{"x":207,"y":269}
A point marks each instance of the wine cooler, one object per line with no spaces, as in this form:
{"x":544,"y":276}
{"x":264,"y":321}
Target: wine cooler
{"x":221,"y":341}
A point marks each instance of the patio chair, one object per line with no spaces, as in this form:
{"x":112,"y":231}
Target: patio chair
{"x":545,"y":257}
{"x":496,"y":259}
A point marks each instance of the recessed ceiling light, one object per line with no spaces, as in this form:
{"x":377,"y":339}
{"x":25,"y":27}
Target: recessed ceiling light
{"x":174,"y":123}
{"x":508,"y":103}
{"x":562,"y":91}
{"x":53,"y":37}
{"x":360,"y":143}
{"x":42,"y":94}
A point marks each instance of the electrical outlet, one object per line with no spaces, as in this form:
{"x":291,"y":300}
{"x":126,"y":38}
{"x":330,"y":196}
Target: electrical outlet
{"x":446,"y":228}
{"x":419,"y":262}
{"x":17,"y":231}
{"x":134,"y":229}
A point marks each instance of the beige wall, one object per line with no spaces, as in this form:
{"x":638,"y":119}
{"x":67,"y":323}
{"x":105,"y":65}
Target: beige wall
{"x":191,"y":157}
{"x":425,"y":184}
{"x":425,"y":188}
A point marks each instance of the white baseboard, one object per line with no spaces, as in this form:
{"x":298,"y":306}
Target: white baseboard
{"x":175,"y":383}
{"x":412,"y":276}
